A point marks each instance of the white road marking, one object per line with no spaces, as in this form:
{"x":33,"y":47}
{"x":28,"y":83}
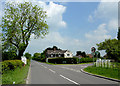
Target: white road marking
{"x":45,"y":67}
{"x":52,"y":71}
{"x":69,"y":79}
{"x":72,"y":69}
{"x":41,"y":65}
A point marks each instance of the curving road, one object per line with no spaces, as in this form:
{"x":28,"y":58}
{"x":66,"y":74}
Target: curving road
{"x":42,"y":73}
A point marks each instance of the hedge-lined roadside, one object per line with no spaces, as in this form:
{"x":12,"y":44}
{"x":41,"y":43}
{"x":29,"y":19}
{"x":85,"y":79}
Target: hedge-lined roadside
{"x":11,"y":65}
{"x":74,"y":60}
{"x":17,"y":75}
{"x":14,"y":71}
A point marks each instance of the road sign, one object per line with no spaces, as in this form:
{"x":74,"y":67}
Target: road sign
{"x":23,"y":59}
{"x":93,"y":53}
{"x":93,"y":49}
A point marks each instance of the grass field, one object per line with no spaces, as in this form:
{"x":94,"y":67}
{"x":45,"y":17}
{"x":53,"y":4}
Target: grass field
{"x":18,"y":76}
{"x":107,"y":72}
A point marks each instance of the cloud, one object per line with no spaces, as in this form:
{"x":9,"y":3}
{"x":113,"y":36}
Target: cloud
{"x":107,"y":10}
{"x":55,"y":38}
{"x":98,"y":34}
{"x":113,"y":24}
{"x":90,"y":18}
{"x":55,"y":12}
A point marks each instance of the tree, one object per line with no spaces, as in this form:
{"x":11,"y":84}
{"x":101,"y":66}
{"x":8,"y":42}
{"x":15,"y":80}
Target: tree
{"x":83,"y":54}
{"x":118,"y":36}
{"x":36,"y":56}
{"x":28,"y":55}
{"x":111,"y":48}
{"x":20,"y":22}
{"x":79,"y":53}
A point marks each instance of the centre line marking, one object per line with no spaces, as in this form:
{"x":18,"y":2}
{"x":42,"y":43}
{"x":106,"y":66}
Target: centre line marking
{"x":52,"y":71}
{"x":45,"y":67}
{"x":69,"y":79}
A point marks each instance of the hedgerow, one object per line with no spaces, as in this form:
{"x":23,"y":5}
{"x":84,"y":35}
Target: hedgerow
{"x":11,"y":65}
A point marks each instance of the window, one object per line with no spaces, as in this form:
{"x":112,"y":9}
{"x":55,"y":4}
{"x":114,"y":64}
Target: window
{"x":59,"y":55}
{"x":51,"y":55}
{"x":68,"y":54}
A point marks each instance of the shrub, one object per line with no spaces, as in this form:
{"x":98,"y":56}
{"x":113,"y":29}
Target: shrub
{"x":11,"y":65}
{"x":85,"y":60}
{"x":28,"y":55}
{"x":61,"y":60}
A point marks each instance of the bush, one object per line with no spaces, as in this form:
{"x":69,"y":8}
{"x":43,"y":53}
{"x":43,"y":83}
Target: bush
{"x":62,"y":60}
{"x":28,"y":55}
{"x":11,"y":65}
{"x":85,"y":60}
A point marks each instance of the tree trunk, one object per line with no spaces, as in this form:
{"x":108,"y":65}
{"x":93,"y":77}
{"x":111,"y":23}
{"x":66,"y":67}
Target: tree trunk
{"x":20,"y":52}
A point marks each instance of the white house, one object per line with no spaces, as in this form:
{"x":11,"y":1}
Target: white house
{"x":58,"y":53}
{"x":68,"y":54}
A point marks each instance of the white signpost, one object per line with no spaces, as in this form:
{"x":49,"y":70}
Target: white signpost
{"x":109,"y":64}
{"x":23,"y":59}
{"x":103,"y":63}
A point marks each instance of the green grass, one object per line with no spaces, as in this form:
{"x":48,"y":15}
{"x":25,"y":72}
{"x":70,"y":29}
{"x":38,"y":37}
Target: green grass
{"x":18,"y":76}
{"x":107,"y":72}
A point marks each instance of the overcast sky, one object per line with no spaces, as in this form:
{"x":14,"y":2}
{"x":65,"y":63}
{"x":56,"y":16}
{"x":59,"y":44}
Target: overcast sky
{"x":75,"y":26}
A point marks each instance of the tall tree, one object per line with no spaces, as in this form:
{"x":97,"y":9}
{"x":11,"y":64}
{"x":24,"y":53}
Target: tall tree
{"x":111,"y":48}
{"x":20,"y":22}
{"x":118,"y":36}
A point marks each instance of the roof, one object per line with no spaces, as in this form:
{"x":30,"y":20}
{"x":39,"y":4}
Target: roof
{"x":56,"y":51}
{"x":90,"y":55}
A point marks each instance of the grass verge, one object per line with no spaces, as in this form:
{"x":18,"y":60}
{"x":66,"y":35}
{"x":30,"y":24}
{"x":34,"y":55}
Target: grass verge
{"x":106,"y":72}
{"x":18,"y":76}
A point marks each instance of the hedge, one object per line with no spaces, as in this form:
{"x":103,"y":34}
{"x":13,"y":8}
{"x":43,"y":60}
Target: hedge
{"x":74,"y":60}
{"x":85,"y":60}
{"x":11,"y":65}
{"x":61,"y":60}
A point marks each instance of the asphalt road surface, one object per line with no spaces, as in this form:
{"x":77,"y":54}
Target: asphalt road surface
{"x":42,"y":73}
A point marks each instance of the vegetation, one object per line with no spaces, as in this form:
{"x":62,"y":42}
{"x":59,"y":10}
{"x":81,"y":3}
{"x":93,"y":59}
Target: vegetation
{"x":36,"y":56}
{"x":86,"y":60}
{"x":28,"y":55}
{"x":18,"y":24}
{"x":11,"y":65}
{"x":118,"y":36}
{"x":74,"y":60}
{"x":107,"y":72}
{"x":79,"y":53}
{"x":39,"y":57}
{"x":111,"y":48}
{"x":18,"y":74}
{"x":62,"y":60}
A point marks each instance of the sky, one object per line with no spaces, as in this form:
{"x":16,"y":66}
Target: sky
{"x":75,"y":26}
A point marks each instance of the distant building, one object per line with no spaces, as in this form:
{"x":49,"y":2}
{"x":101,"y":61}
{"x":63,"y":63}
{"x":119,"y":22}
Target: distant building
{"x":55,"y":52}
{"x":89,"y":55}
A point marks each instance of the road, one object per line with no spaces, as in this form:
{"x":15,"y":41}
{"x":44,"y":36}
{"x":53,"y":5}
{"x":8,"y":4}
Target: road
{"x":42,"y":73}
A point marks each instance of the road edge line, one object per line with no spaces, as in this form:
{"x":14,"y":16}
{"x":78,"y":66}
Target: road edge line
{"x":28,"y":76}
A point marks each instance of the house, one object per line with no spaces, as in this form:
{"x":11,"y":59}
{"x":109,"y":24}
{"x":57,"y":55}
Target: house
{"x":89,"y":55}
{"x":55,"y":52}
